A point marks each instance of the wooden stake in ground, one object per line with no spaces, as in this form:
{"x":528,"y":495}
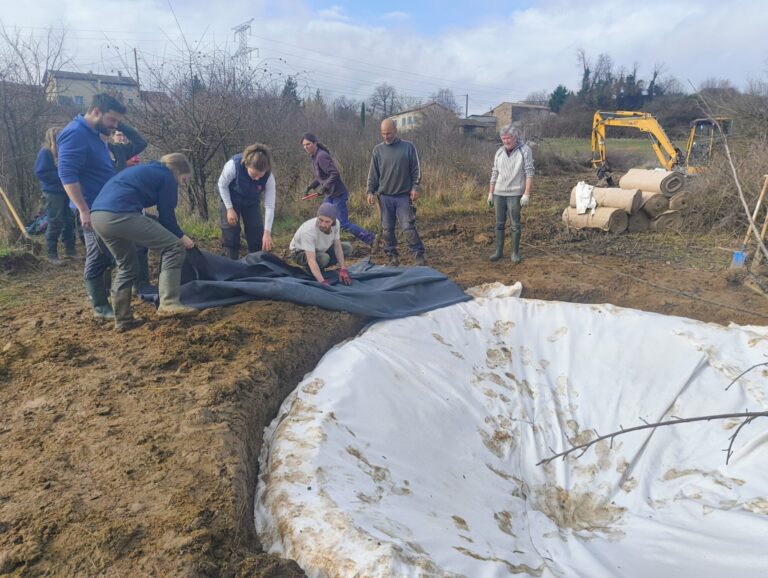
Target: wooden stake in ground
{"x":36,"y":247}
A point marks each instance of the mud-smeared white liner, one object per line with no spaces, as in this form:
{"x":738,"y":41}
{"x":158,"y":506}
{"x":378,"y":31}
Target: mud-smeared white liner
{"x":412,"y":449}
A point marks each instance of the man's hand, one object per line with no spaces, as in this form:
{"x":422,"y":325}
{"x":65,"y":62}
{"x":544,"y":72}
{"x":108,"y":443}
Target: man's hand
{"x":344,"y":277}
{"x":371,"y":199}
{"x":490,"y":200}
{"x":325,"y":282}
{"x":266,"y":241}
{"x":85,"y":219}
{"x":414,"y":194}
{"x":232,"y":217}
{"x":187,"y":242}
{"x":525,"y":200}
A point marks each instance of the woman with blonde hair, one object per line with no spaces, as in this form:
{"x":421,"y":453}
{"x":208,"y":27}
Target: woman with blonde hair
{"x":61,"y":221}
{"x":245,"y":179}
{"x":117,"y":217}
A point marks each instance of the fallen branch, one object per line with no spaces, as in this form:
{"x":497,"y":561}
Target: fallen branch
{"x":748,"y":415}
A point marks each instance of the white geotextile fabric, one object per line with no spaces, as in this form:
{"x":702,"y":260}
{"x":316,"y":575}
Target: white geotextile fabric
{"x":412,"y":449}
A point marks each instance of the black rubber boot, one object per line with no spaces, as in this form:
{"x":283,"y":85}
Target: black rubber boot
{"x":233,"y":253}
{"x":515,"y":247}
{"x":499,"y":246}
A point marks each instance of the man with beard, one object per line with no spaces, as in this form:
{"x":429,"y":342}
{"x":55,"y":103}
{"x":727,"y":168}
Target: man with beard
{"x":85,"y":166}
{"x":317,"y":245}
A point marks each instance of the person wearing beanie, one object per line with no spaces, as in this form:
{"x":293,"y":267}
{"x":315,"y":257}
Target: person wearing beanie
{"x":317,"y":245}
{"x":334,"y":190}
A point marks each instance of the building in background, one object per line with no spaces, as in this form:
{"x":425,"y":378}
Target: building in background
{"x":414,"y":117}
{"x":516,"y":113}
{"x":77,"y":88}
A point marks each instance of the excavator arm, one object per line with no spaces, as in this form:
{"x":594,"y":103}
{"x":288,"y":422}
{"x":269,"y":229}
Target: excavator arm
{"x":669,"y":155}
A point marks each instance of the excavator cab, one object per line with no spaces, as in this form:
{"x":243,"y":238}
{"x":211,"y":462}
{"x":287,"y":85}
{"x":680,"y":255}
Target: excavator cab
{"x":703,"y":140}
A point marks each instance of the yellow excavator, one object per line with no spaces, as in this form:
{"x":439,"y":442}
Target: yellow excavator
{"x":702,"y":139}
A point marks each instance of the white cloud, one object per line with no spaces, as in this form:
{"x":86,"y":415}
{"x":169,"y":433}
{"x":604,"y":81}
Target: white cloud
{"x":334,"y":13}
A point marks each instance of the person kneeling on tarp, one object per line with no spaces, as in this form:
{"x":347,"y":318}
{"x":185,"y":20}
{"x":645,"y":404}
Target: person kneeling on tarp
{"x":317,"y":245}
{"x":118,"y":220}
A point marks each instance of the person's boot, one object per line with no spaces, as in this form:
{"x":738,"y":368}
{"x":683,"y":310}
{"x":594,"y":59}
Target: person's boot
{"x":394,"y":261}
{"x":419,"y":261}
{"x":142,"y":279}
{"x":71,"y":253}
{"x":515,"y":247}
{"x":169,"y":289}
{"x":53,"y":254}
{"x":233,"y":253}
{"x":108,"y":281}
{"x":121,"y":304}
{"x":98,"y":296}
{"x":499,"y":246}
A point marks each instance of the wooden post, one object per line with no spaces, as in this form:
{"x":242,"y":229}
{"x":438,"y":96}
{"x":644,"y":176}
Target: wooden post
{"x":757,"y":209}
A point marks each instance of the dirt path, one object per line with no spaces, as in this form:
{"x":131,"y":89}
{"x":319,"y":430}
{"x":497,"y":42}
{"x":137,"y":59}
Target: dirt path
{"x":134,"y":454}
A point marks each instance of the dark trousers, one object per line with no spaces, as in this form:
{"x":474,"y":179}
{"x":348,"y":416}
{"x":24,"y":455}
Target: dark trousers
{"x":97,"y":257}
{"x":400,"y":209}
{"x":342,"y":214}
{"x":61,"y":223}
{"x":253,"y":226}
{"x":507,"y":205}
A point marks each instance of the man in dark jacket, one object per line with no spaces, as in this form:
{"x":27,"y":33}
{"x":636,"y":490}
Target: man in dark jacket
{"x":85,"y":166}
{"x":393,"y":181}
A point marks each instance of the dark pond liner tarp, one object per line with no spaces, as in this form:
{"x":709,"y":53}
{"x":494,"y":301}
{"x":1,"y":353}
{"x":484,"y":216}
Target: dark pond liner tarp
{"x":210,"y":280}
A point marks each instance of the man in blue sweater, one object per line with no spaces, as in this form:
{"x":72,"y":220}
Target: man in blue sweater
{"x":394,"y":178}
{"x":85,"y":166}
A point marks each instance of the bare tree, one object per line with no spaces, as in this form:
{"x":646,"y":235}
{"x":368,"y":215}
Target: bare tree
{"x":445,"y":97}
{"x":25,"y":110}
{"x":384,"y":101}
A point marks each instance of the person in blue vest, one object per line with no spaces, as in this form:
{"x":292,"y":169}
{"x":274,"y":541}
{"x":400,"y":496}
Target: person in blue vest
{"x":246,"y":179}
{"x":117,"y":217}
{"x":84,"y":167}
{"x":61,"y":221}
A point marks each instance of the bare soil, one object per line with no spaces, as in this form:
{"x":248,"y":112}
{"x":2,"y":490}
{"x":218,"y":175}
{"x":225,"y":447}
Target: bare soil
{"x":134,"y":454}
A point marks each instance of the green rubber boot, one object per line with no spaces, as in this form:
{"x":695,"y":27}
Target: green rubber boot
{"x":515,"y":247}
{"x":97,"y":292}
{"x":169,"y":288}
{"x":499,"y":246}
{"x":121,"y":304}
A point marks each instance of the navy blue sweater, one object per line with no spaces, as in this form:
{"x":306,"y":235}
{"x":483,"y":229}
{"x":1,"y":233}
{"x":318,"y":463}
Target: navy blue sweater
{"x":140,"y":187}
{"x":48,"y":173}
{"x":84,"y":158}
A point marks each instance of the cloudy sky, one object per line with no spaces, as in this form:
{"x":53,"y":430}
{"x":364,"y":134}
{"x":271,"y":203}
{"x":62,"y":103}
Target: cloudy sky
{"x":491,"y":50}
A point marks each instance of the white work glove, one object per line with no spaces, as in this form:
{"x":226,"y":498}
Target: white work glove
{"x":524,"y":200}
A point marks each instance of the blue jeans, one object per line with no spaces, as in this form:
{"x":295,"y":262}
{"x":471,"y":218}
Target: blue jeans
{"x":97,"y":257}
{"x":61,"y":223}
{"x":398,"y":208}
{"x":342,"y":213}
{"x":507,"y":205}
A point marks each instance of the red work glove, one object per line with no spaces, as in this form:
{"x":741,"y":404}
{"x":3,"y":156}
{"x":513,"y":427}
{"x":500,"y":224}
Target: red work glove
{"x":344,"y":277}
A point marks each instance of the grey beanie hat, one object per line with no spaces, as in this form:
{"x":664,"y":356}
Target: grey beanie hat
{"x":327,"y":210}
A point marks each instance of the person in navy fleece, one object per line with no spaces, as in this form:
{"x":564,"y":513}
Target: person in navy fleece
{"x":334,"y":190}
{"x":84,"y":168}
{"x":117,"y":217}
{"x":245,"y":179}
{"x":61,"y":221}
